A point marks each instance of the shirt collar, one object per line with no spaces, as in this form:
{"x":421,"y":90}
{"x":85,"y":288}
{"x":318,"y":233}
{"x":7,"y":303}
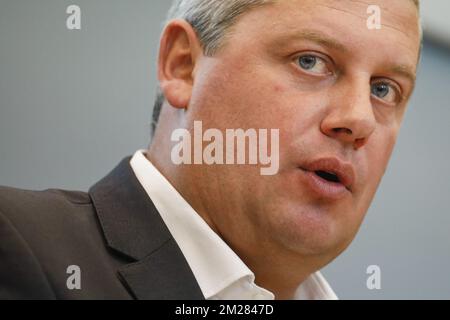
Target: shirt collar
{"x":216,"y":267}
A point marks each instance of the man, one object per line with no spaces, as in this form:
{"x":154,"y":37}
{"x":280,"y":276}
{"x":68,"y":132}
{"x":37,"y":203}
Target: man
{"x":336,"y":90}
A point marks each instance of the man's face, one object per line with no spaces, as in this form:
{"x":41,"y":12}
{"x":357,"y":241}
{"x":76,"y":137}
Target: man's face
{"x":334,"y":89}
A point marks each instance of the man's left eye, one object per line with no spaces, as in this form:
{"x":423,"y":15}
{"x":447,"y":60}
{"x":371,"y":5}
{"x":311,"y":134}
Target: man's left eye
{"x":313,"y":64}
{"x":384,"y":91}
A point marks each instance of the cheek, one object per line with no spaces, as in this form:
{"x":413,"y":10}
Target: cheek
{"x":382,"y":150}
{"x":376,"y":160}
{"x":240,"y":98}
{"x":231,"y":94}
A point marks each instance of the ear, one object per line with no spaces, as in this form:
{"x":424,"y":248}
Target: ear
{"x":178,"y":53}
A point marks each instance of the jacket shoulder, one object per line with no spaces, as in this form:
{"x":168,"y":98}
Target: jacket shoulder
{"x":29,"y":223}
{"x":17,"y":197}
{"x":44,"y":232}
{"x":49,"y":215}
{"x":33,"y":206}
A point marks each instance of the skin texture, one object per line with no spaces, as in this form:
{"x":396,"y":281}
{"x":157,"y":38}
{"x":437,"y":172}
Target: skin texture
{"x":278,"y":226}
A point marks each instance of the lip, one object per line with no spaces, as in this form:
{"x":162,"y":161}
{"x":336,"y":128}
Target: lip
{"x":329,"y":189}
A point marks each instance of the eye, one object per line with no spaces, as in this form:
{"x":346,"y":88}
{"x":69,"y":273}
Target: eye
{"x":313,"y":64}
{"x":385,"y":91}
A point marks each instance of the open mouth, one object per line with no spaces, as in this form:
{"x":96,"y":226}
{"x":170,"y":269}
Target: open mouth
{"x":329,"y":176}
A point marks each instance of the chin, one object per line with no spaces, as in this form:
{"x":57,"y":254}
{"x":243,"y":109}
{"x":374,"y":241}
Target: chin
{"x":310,"y":231}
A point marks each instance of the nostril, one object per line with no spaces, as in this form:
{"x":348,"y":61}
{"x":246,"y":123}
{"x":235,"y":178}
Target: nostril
{"x":343,"y":130}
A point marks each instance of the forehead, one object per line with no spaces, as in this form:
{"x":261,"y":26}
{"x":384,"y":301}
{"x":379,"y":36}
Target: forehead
{"x":344,"y":21}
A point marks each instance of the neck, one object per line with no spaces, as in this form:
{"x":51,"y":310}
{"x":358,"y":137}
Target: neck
{"x":276,"y":270}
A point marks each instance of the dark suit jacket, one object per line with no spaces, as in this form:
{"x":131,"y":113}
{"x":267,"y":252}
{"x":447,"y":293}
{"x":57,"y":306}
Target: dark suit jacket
{"x":113,"y":233}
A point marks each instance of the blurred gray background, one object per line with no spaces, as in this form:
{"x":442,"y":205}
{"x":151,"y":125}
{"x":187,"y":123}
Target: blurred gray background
{"x":74,"y":103}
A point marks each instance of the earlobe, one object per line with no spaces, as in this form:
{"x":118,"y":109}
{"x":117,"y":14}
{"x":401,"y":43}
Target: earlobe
{"x":179,"y":48}
{"x":177,"y":93}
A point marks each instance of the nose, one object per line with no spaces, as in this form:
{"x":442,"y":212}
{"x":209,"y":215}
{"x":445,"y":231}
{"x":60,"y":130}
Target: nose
{"x":350,"y":117}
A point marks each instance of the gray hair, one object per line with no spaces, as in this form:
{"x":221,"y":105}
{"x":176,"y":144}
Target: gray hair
{"x":211,"y":19}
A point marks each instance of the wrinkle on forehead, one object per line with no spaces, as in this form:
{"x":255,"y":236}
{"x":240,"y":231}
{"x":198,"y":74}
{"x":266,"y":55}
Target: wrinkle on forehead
{"x":396,"y":18}
{"x":290,"y":14}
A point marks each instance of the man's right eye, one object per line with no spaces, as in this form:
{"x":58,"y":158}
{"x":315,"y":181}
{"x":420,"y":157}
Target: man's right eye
{"x":313,"y":64}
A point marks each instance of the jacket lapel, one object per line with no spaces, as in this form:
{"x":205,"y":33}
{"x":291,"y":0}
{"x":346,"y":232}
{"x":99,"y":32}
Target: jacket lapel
{"x":132,"y":226}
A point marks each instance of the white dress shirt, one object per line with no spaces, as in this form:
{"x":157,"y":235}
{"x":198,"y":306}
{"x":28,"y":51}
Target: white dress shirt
{"x":220,"y":273}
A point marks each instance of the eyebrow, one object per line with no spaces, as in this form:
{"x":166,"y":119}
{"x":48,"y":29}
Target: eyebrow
{"x":318,"y":37}
{"x":404,"y":71}
{"x":324,"y":40}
